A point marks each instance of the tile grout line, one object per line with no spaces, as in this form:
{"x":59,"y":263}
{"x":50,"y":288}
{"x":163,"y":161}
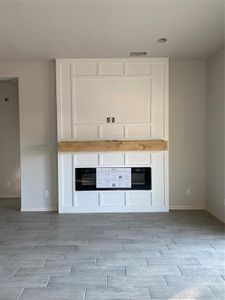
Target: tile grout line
{"x":168,"y":248}
{"x":85,"y":291}
{"x":44,"y":263}
{"x":214,"y":248}
{"x":70,"y":270}
{"x":48,"y":281}
{"x":149,"y":292}
{"x":20,"y":294}
{"x":180,"y":270}
{"x":223,"y":277}
{"x":212,"y":291}
{"x":166,"y":280}
{"x":14,"y":273}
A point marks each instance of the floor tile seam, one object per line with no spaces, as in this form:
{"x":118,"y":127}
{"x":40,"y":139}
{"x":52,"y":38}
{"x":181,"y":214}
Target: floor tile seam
{"x":85,"y":292}
{"x":160,"y":252}
{"x":199,"y":264}
{"x":20,"y":294}
{"x":168,"y":248}
{"x":213,"y":247}
{"x":70,"y":270}
{"x":212,"y":290}
{"x":148,"y":289}
{"x":47,"y":282}
{"x":14,"y":273}
{"x":180,"y":270}
{"x":164,"y":276}
{"x":45,"y":263}
{"x":223,"y":276}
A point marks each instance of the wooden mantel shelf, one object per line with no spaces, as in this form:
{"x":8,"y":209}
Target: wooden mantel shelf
{"x":95,"y":146}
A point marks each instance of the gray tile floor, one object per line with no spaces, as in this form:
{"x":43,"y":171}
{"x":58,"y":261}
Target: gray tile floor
{"x":176,"y":255}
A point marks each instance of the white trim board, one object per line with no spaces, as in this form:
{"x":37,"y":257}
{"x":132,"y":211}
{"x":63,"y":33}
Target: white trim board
{"x":10,"y":197}
{"x":39,"y":209}
{"x":186,"y":207}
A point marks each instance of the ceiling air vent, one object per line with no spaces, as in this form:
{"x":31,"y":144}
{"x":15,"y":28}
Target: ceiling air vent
{"x":138,"y":53}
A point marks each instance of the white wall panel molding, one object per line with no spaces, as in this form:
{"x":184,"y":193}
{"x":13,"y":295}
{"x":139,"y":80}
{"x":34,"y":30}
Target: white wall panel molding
{"x":64,"y":103}
{"x":71,"y":200}
{"x":112,"y":99}
{"x":133,"y":91}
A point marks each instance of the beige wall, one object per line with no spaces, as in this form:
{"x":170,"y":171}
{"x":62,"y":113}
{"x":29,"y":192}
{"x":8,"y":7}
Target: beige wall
{"x":9,"y":137}
{"x":37,"y":132}
{"x":187,"y":133}
{"x":215,"y":135}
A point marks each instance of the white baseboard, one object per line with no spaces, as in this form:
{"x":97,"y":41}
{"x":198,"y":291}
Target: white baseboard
{"x":215,"y":215}
{"x":33,"y":209}
{"x":2,"y":197}
{"x":186,"y":207}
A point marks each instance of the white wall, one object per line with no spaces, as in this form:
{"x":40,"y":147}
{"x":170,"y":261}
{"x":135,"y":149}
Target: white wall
{"x":187,"y":133}
{"x":215,"y":135}
{"x":9,"y":137}
{"x":37,"y":131}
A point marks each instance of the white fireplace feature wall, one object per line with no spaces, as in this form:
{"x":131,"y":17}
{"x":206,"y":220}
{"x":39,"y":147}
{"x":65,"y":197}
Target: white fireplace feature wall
{"x":112,"y":99}
{"x":152,"y":200}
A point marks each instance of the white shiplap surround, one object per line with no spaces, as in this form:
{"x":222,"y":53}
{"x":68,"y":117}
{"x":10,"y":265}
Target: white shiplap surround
{"x":135,"y":93}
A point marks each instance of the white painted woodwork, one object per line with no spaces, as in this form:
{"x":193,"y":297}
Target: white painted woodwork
{"x":126,"y":99}
{"x":65,"y":184}
{"x":86,"y":133}
{"x":111,"y":69}
{"x":135,"y":159}
{"x":111,"y":132}
{"x":84,"y":69}
{"x":64,"y":103}
{"x":112,"y":199}
{"x":111,"y":158}
{"x":86,"y":159}
{"x":74,"y":201}
{"x":136,"y":198}
{"x":158,"y":170}
{"x":137,"y":68}
{"x":86,"y":199}
{"x":137,"y":131}
{"x":133,"y":91}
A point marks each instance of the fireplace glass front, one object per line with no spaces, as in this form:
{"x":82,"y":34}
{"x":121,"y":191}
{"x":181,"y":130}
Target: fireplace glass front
{"x":121,"y":178}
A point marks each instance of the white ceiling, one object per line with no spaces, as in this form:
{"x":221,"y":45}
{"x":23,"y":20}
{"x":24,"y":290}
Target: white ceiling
{"x":47,"y":29}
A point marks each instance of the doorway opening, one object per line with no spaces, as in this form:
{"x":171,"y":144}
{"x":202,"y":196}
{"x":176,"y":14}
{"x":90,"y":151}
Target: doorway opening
{"x":10,"y":178}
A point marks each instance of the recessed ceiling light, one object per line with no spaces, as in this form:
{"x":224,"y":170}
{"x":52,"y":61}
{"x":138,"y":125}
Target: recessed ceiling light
{"x":162,"y":40}
{"x":138,"y":53}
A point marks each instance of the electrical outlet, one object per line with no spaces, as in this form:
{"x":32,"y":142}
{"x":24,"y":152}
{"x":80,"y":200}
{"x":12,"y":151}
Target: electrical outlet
{"x":46,"y":193}
{"x":188,"y":192}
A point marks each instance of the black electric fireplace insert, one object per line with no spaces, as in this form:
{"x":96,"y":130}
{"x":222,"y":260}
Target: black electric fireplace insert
{"x":121,"y":178}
